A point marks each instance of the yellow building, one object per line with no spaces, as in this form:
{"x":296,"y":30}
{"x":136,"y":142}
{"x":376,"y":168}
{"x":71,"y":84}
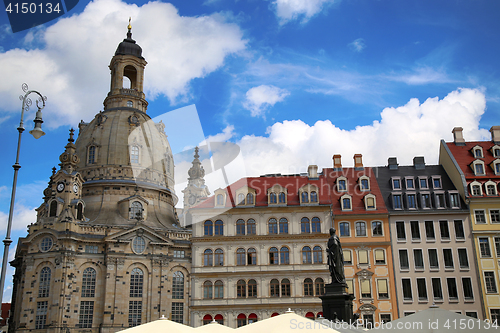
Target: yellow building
{"x":474,"y":168}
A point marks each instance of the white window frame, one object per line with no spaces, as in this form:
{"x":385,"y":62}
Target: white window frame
{"x":475,"y":149}
{"x":346,"y":196}
{"x":392,"y":183}
{"x":359,"y":182}
{"x":494,"y":166}
{"x":475,"y":183}
{"x":491,"y":220}
{"x":372,"y":196}
{"x":489,"y":182}
{"x":473,"y":166}
{"x":337,"y":183}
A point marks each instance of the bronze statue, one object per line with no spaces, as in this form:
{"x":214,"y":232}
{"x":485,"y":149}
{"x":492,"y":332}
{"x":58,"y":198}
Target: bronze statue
{"x":335,"y":258}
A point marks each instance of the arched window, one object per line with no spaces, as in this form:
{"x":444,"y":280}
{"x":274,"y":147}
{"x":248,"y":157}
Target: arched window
{"x":241,"y":320}
{"x":91,"y":155}
{"x":208,"y":258}
{"x":218,"y":289}
{"x":178,"y":285}
{"x":377,"y":228}
{"x":273,"y":226}
{"x":319,"y":287}
{"x":136,"y":282}
{"x":219,"y":257}
{"x":219,"y":228}
{"x":251,"y":257}
{"x":308,"y":287}
{"x":344,"y":229}
{"x":306,"y":255}
{"x":241,"y":199}
{"x":207,"y":290}
{"x":220,"y":200}
{"x":240,"y":227}
{"x":284,"y":256}
{"x":88,"y":282}
{"x":283,"y":225}
{"x":273,"y":256}
{"x":272,"y":198}
{"x":241,"y":289}
{"x":79,"y":211}
{"x":240,"y":257}
{"x":314,"y":196}
{"x":53,"y":209}
{"x":251,"y":229}
{"x":304,"y":225}
{"x":252,"y":318}
{"x":249,"y":199}
{"x":208,"y":228}
{"x":305,"y":197}
{"x":282,"y":198}
{"x":346,"y":203}
{"x":134,"y":155}
{"x":207,"y":319}
{"x":316,"y":224}
{"x":275,"y":288}
{"x":285,"y":288}
{"x":310,"y":315}
{"x":44,"y":282}
{"x":317,"y":255}
{"x":136,"y":210}
{"x":252,"y":288}
{"x":219,"y":319}
{"x":360,"y":229}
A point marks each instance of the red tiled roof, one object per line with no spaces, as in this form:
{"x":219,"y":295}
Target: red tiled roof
{"x":464,"y":157}
{"x":358,"y":204}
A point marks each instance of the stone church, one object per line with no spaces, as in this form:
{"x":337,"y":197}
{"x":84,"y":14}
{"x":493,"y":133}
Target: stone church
{"x":107,"y":251}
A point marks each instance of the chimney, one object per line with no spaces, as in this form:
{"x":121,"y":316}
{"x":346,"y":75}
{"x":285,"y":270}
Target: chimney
{"x":419,"y":162}
{"x":458,"y":137}
{"x":312,"y":171}
{"x":392,"y":163}
{"x":495,"y":134}
{"x":358,"y":161}
{"x":337,"y":162}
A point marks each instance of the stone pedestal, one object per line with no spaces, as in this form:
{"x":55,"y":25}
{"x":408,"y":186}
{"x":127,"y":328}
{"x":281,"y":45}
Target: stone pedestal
{"x":337,"y":303}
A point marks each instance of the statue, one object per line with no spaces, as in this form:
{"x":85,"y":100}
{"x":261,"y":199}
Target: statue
{"x":335,"y":258}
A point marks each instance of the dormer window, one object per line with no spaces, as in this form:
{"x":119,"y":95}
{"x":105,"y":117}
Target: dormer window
{"x":496,"y":167}
{"x":436,"y":182}
{"x":477,"y":151}
{"x":364,"y":183}
{"x":396,"y":183}
{"x":491,"y":188}
{"x":423,"y":183}
{"x":478,"y":167}
{"x":410,"y":183}
{"x":241,"y":199}
{"x":475,"y":188}
{"x":277,"y":194}
{"x":250,"y":199}
{"x":272,"y":198}
{"x":346,"y":202}
{"x":281,"y":198}
{"x":314,"y":196}
{"x":305,"y":197}
{"x":220,"y":200}
{"x":495,"y":151}
{"x":136,"y":210}
{"x":370,"y":202}
{"x":341,"y":184}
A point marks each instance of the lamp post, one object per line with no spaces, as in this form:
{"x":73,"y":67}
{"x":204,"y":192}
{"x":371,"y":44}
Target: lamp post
{"x":37,"y":133}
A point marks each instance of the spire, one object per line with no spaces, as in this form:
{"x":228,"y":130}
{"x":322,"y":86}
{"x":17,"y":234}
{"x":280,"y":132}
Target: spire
{"x":48,"y":191}
{"x":69,"y":159}
{"x":196,"y":171}
{"x":129,"y":33}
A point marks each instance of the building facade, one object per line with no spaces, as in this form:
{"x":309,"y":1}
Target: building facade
{"x":431,"y":239}
{"x":474,"y":168}
{"x":106,"y":251}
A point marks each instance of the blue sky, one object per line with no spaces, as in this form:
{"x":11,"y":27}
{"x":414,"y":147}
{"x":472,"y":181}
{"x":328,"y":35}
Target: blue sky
{"x":290,"y":82}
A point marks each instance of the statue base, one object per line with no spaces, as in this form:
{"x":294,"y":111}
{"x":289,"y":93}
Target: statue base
{"x":337,"y":303}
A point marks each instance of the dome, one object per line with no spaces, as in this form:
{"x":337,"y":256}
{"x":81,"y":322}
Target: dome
{"x":129,"y":47}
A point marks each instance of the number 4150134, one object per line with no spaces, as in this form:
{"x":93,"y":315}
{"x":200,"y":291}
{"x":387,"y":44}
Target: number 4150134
{"x":32,"y":8}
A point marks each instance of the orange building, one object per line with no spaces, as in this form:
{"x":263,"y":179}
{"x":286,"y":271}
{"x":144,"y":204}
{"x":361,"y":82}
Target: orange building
{"x":362,"y":223}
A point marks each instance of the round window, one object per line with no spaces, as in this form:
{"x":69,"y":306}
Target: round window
{"x":46,"y":244}
{"x":139,"y":244}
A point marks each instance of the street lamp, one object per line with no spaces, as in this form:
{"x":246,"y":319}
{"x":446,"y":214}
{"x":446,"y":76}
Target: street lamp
{"x":37,"y":133}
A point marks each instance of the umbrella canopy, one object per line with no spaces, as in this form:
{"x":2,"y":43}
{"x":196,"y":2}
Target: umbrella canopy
{"x":160,"y":325}
{"x":213,"y":327}
{"x":436,"y":320}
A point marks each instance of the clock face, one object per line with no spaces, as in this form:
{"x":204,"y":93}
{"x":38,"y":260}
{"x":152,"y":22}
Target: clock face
{"x":60,"y":187}
{"x":75,"y":188}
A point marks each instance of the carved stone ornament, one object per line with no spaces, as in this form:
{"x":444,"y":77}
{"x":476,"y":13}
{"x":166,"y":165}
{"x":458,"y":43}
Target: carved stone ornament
{"x":133,"y":120}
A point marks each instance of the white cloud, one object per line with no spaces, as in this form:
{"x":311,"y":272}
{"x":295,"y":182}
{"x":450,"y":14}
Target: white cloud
{"x":259,"y":99}
{"x":23,"y":216}
{"x":357,"y":45}
{"x":414,"y":129}
{"x":287,"y":10}
{"x":72,"y":67}
{"x":422,"y":75}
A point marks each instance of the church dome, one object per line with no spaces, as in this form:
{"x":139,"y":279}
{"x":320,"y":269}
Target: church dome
{"x":129,"y":46}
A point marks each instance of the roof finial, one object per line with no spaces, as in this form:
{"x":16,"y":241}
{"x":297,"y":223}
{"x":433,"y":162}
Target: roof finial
{"x":129,"y":33}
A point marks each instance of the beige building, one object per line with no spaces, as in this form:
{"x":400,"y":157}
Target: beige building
{"x":431,"y":240}
{"x":106,"y":251}
{"x":259,"y":248}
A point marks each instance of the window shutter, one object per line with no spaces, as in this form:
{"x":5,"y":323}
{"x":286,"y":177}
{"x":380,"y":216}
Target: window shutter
{"x":379,"y":255}
{"x":363,"y":256}
{"x":365,"y":287}
{"x":347,"y":255}
{"x":382,"y":286}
